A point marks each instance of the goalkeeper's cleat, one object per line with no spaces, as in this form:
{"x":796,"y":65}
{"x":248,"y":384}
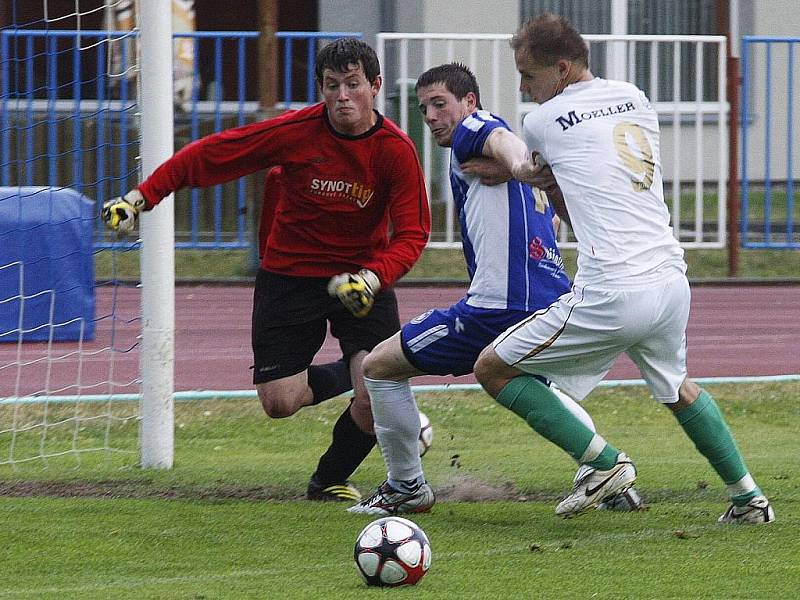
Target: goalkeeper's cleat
{"x":592,"y":486}
{"x":355,"y":290}
{"x":121,"y":214}
{"x":388,"y":501}
{"x":755,"y":512}
{"x":334,"y":492}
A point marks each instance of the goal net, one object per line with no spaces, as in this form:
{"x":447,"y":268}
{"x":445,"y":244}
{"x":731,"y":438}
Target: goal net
{"x":70,"y":306}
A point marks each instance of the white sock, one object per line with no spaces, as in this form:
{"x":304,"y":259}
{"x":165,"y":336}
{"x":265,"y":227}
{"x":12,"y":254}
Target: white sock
{"x":396,"y":417}
{"x":575,"y":408}
{"x":583,"y":416}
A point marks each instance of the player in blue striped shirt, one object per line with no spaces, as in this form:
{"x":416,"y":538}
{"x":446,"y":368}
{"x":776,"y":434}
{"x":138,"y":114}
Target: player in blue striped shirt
{"x":515,"y":269}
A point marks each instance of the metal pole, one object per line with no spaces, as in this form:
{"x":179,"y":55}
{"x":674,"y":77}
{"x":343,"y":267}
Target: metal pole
{"x":619,"y":26}
{"x":158,"y":247}
{"x":733,"y":164}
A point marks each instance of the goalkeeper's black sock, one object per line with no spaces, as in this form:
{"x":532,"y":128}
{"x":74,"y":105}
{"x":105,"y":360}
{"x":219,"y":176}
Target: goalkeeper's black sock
{"x":329,"y":380}
{"x":349,"y":448}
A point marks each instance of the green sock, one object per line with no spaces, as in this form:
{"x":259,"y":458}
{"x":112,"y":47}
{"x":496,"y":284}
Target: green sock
{"x":706,"y":427}
{"x":543,"y":411}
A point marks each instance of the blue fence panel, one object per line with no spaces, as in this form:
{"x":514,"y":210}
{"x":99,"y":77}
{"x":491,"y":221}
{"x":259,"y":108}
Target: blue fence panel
{"x":228,"y":106}
{"x":57,"y":109}
{"x":67,"y":120}
{"x":768,"y":167}
{"x":312,"y":39}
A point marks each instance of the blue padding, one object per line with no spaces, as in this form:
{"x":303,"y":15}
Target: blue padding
{"x":46,"y":264}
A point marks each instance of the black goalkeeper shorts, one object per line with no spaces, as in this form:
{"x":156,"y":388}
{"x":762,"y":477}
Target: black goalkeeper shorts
{"x":290,"y":321}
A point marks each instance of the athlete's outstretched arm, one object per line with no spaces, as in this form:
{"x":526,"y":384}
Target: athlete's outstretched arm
{"x":512,"y":153}
{"x":508,"y":150}
{"x":488,"y":169}
{"x":213,"y":159}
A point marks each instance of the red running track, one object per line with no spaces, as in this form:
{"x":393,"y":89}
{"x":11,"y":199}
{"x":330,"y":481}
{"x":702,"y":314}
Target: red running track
{"x":733,"y":331}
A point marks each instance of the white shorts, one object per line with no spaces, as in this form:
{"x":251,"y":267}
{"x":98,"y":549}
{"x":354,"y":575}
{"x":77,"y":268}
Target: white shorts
{"x":575,"y":341}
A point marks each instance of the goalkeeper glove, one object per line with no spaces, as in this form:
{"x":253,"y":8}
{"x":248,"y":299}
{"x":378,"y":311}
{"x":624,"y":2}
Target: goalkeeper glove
{"x":355,"y":290}
{"x":120,"y":214}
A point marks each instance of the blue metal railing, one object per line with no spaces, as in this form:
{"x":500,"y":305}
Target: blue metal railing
{"x":29,"y":99}
{"x":312,"y":38}
{"x":238,"y":109}
{"x":68,"y":116}
{"x":761,"y":56}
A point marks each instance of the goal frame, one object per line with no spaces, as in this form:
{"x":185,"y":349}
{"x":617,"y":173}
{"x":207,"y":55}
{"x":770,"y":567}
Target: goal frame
{"x":157,"y":355}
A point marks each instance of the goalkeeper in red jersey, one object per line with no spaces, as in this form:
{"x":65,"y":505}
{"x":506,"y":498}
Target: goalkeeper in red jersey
{"x":346,"y":174}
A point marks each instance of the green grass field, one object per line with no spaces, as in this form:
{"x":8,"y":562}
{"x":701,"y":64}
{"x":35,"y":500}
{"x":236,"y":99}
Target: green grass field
{"x":228,"y":520}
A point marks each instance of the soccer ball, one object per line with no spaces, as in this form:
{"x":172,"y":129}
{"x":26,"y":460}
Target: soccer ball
{"x":425,"y":434}
{"x":392,"y":551}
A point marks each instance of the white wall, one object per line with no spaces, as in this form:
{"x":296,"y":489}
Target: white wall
{"x":478,"y":16}
{"x":363,"y":16}
{"x":371,"y":16}
{"x":471,"y":16}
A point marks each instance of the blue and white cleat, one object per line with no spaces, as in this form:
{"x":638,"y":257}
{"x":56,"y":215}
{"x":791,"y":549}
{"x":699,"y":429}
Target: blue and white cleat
{"x":387,"y":501}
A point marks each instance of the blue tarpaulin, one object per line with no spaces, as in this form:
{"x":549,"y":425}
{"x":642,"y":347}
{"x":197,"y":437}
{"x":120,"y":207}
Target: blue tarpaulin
{"x":46,"y":265}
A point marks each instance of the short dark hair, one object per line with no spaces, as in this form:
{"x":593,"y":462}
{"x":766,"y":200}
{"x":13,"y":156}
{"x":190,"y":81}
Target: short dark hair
{"x":456,"y":77}
{"x":548,"y":38}
{"x":343,"y":52}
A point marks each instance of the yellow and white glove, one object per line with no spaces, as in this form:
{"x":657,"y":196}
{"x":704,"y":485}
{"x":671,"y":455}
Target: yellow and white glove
{"x":355,"y":290}
{"x":120,"y":214}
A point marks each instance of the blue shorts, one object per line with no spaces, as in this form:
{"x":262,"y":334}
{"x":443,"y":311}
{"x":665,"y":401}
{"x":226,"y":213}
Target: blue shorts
{"x":448,"y":341}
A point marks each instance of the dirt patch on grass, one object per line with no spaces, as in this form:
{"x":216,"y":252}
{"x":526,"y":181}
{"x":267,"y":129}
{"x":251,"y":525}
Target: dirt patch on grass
{"x":458,"y":488}
{"x":461,"y":488}
{"x":137,"y":489}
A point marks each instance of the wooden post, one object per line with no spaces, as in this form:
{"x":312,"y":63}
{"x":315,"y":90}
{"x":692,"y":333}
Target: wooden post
{"x":268,"y":55}
{"x":725,"y":27}
{"x":268,"y":52}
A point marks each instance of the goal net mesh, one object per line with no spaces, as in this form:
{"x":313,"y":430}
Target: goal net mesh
{"x":70,"y":315}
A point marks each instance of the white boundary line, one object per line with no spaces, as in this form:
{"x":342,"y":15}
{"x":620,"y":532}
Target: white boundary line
{"x":193,"y":395}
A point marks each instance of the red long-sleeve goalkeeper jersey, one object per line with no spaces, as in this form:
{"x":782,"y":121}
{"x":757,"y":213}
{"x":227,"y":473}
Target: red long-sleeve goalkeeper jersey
{"x":338,"y":194}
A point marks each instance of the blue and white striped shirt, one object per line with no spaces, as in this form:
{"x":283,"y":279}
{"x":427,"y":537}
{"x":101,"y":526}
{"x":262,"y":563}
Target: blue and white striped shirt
{"x":506,"y":230}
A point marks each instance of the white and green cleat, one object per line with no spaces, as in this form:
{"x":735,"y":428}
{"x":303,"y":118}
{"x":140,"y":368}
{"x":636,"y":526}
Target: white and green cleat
{"x":755,"y":512}
{"x":593,"y":486}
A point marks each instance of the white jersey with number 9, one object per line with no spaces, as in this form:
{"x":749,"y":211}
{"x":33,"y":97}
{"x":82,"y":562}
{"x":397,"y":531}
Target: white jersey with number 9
{"x":601,"y":139}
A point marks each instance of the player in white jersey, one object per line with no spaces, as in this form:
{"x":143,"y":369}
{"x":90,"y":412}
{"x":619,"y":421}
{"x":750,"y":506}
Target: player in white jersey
{"x":631,"y":295}
{"x":515,"y":269}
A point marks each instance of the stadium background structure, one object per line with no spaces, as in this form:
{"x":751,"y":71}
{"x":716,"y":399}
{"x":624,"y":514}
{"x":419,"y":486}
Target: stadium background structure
{"x":158,"y":317}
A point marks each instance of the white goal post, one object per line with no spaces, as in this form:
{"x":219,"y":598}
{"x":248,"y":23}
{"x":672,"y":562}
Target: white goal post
{"x":70,"y":337}
{"x":157,"y":355}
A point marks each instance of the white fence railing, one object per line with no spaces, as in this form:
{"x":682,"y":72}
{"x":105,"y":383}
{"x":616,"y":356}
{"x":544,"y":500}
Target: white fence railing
{"x":684,"y":77}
